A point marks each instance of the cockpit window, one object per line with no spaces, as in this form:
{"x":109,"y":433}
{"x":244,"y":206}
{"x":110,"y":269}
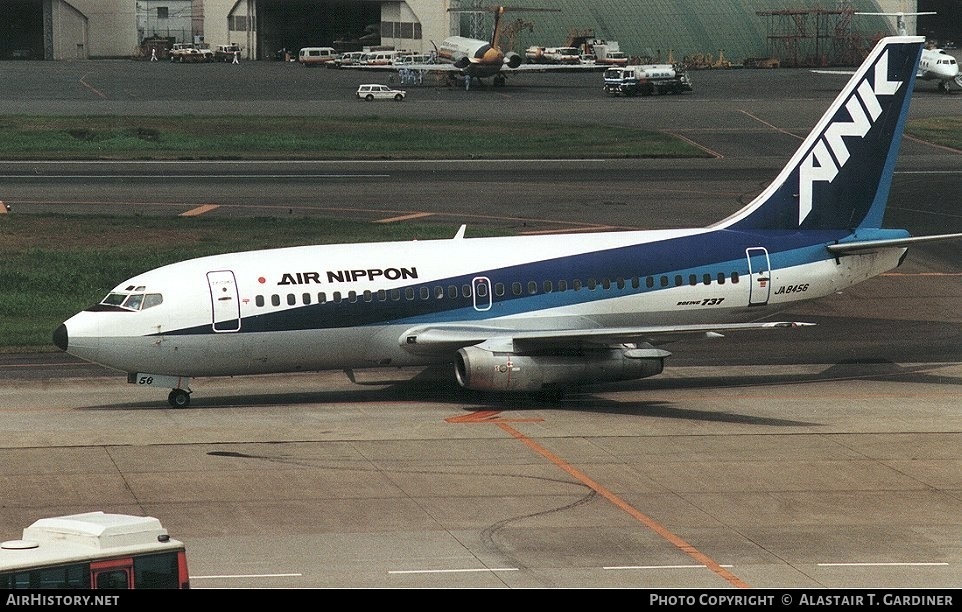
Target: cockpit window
{"x":133,"y":301}
{"x":114,"y":299}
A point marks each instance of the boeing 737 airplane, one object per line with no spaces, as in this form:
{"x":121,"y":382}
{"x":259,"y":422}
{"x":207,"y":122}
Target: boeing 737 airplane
{"x":472,"y":58}
{"x":529,"y":313}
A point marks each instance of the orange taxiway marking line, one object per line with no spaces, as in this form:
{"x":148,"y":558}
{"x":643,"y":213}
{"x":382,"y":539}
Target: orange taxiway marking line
{"x":200,"y":210}
{"x":405,"y":217}
{"x":646,"y":520}
{"x":488,"y":416}
{"x":91,"y":87}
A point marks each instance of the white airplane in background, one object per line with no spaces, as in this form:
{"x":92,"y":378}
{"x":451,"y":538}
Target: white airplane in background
{"x":472,"y":58}
{"x":935,"y":64}
{"x":530,"y":313}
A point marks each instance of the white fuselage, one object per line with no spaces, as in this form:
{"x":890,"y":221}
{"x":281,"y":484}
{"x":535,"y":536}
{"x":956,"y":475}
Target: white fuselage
{"x":316,"y":307}
{"x":937,"y":65}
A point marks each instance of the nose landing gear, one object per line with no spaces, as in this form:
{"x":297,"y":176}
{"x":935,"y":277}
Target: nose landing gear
{"x":179,"y":398}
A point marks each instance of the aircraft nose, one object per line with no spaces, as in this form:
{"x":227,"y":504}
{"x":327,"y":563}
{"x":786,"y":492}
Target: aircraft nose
{"x":60,"y":337}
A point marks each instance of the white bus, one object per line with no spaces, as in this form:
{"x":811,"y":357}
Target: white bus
{"x":94,"y":550}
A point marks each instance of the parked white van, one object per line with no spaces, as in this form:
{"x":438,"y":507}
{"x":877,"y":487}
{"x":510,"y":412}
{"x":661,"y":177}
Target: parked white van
{"x":414,"y":59}
{"x":313,"y":56}
{"x":380,"y":58}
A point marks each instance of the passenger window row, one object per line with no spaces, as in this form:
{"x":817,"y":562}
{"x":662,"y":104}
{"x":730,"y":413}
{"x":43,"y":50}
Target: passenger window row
{"x":439,"y":292}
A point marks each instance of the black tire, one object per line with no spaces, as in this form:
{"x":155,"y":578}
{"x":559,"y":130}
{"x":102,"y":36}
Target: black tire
{"x":369,"y":98}
{"x":178,"y":398}
{"x":398,"y":97}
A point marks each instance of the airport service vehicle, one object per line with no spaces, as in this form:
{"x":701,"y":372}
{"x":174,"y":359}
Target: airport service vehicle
{"x":190,"y":53}
{"x":607,"y":52}
{"x":348,"y":58}
{"x":553,"y":55}
{"x":226,"y":53}
{"x":646,"y":80}
{"x":414,"y":58}
{"x":379,"y":92}
{"x":316,"y":56}
{"x":94,"y":550}
{"x":380,"y":58}
{"x":534,"y":314}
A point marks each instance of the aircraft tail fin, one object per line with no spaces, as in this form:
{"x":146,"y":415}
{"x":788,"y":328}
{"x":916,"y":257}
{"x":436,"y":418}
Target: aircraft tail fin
{"x":840,"y":176}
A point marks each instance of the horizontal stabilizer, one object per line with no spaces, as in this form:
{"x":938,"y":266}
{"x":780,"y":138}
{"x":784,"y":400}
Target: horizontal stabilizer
{"x":842,"y":248}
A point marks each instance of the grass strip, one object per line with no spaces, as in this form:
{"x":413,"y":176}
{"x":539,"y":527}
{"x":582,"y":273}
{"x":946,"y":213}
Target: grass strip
{"x":372,"y":137}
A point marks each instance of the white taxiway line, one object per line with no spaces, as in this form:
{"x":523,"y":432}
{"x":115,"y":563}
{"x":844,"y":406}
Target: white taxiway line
{"x":635,"y":567}
{"x":247,"y":576}
{"x":455,"y":571}
{"x":893,"y":564}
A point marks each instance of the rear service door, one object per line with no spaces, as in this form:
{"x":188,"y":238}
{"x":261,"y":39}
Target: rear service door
{"x":760,"y":276}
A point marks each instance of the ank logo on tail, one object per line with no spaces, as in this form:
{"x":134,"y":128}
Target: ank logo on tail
{"x":840,"y":176}
{"x":819,"y":164}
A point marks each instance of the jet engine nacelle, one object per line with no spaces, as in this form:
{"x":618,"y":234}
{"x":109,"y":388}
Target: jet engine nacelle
{"x":482,"y":370}
{"x":512,"y":59}
{"x":461,"y":61}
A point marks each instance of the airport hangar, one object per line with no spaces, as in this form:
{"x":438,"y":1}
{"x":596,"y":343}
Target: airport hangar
{"x":92,"y":29}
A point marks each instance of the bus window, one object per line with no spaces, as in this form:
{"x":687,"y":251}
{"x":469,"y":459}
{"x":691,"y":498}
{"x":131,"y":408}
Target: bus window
{"x":113,"y":574}
{"x":160,"y":571}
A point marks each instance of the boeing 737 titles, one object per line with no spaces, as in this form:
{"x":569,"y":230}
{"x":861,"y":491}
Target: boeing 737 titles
{"x":530,"y":313}
{"x":472,"y":58}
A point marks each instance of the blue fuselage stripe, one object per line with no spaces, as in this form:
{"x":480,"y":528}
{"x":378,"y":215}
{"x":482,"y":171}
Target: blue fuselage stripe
{"x":699,"y":254}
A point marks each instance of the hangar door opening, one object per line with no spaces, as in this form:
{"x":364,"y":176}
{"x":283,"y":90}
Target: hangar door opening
{"x":290,"y":25}
{"x":21,"y":29}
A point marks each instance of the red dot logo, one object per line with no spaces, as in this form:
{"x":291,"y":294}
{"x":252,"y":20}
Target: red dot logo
{"x":262,"y":280}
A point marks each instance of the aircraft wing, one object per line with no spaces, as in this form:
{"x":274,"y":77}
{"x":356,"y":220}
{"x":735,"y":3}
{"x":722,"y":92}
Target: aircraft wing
{"x":556,"y":68}
{"x":441,"y":338}
{"x":399,"y":67}
{"x":445,"y":67}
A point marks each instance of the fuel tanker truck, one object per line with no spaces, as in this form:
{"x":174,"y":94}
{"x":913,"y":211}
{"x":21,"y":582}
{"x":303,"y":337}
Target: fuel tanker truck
{"x":646,"y":80}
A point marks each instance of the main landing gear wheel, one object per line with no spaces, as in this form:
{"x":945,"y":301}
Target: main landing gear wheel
{"x":179,"y":398}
